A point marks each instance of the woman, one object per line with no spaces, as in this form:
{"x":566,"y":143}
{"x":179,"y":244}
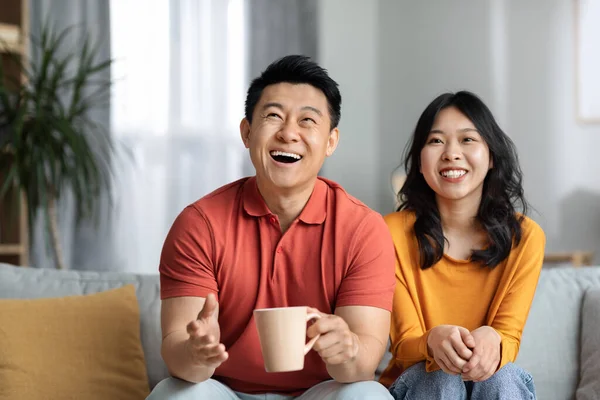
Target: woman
{"x":467,"y":262}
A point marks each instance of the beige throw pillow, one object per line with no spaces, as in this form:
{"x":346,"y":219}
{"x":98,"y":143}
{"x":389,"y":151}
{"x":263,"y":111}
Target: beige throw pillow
{"x":76,"y":347}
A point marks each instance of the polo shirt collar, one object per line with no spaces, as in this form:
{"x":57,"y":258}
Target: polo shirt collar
{"x":254,"y":204}
{"x":314,"y":212}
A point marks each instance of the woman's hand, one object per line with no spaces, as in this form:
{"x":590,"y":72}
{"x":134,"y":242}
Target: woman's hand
{"x":450,"y":347}
{"x":486,"y":355}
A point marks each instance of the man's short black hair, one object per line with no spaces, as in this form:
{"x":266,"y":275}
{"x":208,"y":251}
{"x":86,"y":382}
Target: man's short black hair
{"x":296,"y":69}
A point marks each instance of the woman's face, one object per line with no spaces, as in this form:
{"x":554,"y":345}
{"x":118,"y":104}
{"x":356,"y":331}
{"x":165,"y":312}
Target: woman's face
{"x":455,"y":159}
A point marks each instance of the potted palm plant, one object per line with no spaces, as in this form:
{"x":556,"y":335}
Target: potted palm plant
{"x":48,"y":141}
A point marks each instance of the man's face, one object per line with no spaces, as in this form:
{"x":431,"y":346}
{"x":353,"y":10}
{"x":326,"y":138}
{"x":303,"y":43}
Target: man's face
{"x":290,"y":135}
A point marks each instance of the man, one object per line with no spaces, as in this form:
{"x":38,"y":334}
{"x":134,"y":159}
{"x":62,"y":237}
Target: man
{"x":284,"y":237}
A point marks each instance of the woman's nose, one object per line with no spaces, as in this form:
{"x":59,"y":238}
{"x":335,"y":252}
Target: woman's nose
{"x":452,"y":152}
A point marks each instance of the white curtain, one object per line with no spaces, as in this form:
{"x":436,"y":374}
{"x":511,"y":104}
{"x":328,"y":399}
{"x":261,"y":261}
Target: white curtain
{"x":180,"y":80}
{"x":87,"y":245}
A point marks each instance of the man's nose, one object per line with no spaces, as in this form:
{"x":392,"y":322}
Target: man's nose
{"x":289,"y":132}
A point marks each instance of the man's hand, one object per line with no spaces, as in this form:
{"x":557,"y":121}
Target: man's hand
{"x":486,"y":355}
{"x":450,"y":347}
{"x":204,"y":333}
{"x":337,"y":343}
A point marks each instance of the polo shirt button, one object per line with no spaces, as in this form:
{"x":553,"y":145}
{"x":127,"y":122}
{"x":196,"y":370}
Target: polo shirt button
{"x":279,"y":249}
{"x":273,"y":220}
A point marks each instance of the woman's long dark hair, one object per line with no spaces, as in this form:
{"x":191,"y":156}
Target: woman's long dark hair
{"x":502,"y":187}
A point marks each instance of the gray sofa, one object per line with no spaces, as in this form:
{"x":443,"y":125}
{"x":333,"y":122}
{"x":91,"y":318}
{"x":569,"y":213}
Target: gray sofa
{"x":550,"y":349}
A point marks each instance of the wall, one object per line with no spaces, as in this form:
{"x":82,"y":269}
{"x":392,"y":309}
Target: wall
{"x":348,"y":48}
{"x":518,"y":56}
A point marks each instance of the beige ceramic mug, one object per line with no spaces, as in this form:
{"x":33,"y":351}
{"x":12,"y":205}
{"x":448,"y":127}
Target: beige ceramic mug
{"x":282,"y":335}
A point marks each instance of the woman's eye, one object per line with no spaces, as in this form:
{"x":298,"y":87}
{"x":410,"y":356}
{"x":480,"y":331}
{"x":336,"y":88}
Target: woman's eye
{"x":468,"y":139}
{"x":434,"y":141}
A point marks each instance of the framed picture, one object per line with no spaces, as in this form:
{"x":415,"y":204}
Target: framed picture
{"x":587,"y":60}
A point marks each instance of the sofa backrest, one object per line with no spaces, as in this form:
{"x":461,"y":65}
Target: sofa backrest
{"x":549,"y":348}
{"x":550,"y":344}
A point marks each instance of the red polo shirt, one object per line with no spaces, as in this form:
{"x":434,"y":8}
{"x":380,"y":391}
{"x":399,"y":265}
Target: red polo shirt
{"x":338,"y":252}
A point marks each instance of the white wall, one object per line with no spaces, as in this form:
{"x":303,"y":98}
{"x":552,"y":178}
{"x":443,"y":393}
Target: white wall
{"x":393,"y":57}
{"x":348,"y":48}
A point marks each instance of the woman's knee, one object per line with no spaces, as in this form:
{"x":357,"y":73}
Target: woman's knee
{"x":416,"y":382}
{"x":510,"y":381}
{"x":511,"y":373}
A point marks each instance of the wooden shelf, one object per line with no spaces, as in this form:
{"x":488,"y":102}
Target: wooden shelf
{"x":14,"y":43}
{"x":10,"y":38}
{"x":10,"y":249}
{"x":575,"y":258}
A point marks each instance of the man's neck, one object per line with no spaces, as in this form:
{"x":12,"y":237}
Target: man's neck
{"x":287,"y":204}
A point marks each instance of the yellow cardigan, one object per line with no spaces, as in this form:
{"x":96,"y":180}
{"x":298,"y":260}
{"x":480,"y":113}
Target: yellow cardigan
{"x":458,"y":292}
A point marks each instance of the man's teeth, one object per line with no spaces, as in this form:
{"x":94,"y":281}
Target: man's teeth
{"x":283,"y":153}
{"x":453,"y":173}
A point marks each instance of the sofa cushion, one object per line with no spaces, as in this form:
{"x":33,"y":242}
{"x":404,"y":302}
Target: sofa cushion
{"x":589,"y":385}
{"x":72,"y":347}
{"x":551,"y":338}
{"x":20,"y":282}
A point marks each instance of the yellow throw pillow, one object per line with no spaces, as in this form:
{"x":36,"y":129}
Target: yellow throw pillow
{"x":76,"y":347}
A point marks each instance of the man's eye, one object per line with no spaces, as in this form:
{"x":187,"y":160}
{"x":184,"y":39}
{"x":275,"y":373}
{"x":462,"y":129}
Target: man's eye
{"x":309,"y":120}
{"x":273,"y":115}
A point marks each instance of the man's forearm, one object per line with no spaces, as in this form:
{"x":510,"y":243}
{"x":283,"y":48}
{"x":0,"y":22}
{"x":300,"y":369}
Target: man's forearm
{"x":362,"y":367}
{"x":178,"y":359}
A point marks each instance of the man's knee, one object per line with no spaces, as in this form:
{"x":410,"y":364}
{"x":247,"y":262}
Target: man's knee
{"x":177,"y":389}
{"x":364,"y":390}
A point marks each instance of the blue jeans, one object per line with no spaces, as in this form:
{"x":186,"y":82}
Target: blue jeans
{"x":176,"y":389}
{"x":509,"y":383}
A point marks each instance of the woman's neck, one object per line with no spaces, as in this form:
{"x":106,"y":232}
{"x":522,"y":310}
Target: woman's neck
{"x":462,"y":232}
{"x":459,"y":215}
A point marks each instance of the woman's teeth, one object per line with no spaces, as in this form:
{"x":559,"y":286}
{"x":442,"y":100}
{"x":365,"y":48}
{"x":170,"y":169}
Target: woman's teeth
{"x":453,"y":173}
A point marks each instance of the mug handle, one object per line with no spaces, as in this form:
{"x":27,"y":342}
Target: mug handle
{"x":312,"y":341}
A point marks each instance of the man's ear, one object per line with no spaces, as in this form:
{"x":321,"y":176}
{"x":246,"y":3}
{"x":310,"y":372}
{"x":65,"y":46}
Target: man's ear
{"x":245,"y":132}
{"x":332,"y":142}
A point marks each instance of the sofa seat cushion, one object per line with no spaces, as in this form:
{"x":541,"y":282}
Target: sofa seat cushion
{"x":74,"y":347}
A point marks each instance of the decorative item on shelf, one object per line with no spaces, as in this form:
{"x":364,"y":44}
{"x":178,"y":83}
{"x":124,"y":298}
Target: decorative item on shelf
{"x":398,"y":178}
{"x":48,"y":141}
{"x":10,"y":38}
